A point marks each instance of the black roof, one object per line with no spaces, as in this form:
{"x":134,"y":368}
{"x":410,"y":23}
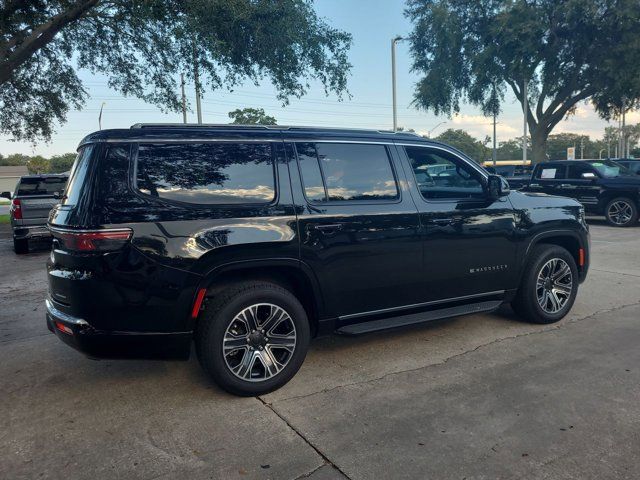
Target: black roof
{"x":200,"y":131}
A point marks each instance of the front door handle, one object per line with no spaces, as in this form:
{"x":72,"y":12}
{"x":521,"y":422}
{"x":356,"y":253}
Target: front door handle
{"x":565,"y":185}
{"x":328,"y":228}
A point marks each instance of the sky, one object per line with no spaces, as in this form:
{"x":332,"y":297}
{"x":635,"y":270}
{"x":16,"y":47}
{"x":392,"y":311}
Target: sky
{"x":372,"y":23}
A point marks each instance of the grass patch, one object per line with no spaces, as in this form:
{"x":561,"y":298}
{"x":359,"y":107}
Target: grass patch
{"x":4,"y":219}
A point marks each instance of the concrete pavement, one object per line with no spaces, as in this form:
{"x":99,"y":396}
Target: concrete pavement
{"x":484,"y":396}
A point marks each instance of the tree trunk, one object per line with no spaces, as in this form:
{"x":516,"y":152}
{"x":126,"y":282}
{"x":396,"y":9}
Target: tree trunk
{"x":538,"y":144}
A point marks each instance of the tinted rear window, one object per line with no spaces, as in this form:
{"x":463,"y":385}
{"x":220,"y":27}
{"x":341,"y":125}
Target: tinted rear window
{"x":550,"y":172}
{"x":349,"y":171}
{"x":41,"y":186}
{"x":207,"y":173}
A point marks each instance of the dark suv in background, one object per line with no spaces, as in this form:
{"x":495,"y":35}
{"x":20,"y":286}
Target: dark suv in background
{"x":604,"y":187}
{"x":32,"y":200}
{"x":251,"y":240}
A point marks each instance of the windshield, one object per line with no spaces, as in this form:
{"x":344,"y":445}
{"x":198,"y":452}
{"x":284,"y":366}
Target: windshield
{"x":610,"y":169}
{"x":41,"y":186}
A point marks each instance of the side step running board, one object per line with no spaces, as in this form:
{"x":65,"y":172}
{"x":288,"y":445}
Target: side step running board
{"x":414,"y":318}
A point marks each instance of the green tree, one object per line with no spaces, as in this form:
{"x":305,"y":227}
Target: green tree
{"x":511,"y":150}
{"x":568,"y":51}
{"x":143,"y":46}
{"x":61,"y":163}
{"x":465,"y":143}
{"x":38,"y":164}
{"x":14,"y":159}
{"x":251,"y":116}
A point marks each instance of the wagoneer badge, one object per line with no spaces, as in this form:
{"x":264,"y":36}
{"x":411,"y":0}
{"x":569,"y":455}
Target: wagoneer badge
{"x":490,"y":268}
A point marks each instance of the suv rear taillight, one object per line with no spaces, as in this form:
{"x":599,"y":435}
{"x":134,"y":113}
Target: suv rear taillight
{"x":16,"y":209}
{"x":92,"y":240}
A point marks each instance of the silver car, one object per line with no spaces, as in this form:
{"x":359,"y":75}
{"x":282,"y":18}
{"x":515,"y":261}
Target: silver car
{"x":31,"y":202}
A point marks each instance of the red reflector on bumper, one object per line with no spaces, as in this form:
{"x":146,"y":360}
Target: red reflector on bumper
{"x":63,"y":328}
{"x":581,"y":257}
{"x":198,"y":303}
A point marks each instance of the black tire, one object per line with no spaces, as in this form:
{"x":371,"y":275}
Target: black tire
{"x":526,"y":303}
{"x":613,"y":215}
{"x":218,"y":316}
{"x":21,"y":246}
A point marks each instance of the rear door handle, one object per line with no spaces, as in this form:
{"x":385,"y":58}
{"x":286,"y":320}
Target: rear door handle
{"x":328,"y":228}
{"x":566,"y":185}
{"x":441,"y":221}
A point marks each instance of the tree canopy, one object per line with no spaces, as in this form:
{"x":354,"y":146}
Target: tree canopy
{"x":251,"y":116}
{"x":465,"y":143}
{"x":143,"y":46}
{"x":567,"y":50}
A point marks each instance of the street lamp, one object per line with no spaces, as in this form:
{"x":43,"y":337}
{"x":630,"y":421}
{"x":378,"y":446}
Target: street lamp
{"x":100,"y":116}
{"x":393,"y":80}
{"x":429,"y":132}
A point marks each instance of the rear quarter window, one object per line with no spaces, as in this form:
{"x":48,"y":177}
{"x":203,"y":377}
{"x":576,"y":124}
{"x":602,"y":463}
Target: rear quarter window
{"x":79,"y":174}
{"x":207,"y":173}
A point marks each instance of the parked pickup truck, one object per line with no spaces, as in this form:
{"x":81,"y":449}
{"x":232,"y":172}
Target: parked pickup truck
{"x":604,"y":187}
{"x":32,"y":200}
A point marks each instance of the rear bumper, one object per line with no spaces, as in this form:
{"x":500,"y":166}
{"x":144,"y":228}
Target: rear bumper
{"x":79,"y":334}
{"x":32,"y":231}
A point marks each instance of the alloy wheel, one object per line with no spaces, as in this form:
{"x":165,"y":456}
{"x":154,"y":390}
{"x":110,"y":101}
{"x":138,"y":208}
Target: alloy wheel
{"x":620,"y":212}
{"x":554,"y":285}
{"x":259,"y":342}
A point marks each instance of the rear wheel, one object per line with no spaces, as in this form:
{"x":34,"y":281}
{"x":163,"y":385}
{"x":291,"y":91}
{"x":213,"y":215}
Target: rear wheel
{"x":20,"y":246}
{"x":621,"y":212}
{"x":252,"y":338}
{"x":549,"y":285}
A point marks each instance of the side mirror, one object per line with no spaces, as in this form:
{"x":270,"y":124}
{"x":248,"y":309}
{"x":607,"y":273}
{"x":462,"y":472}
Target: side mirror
{"x":497,"y":187}
{"x":6,"y":195}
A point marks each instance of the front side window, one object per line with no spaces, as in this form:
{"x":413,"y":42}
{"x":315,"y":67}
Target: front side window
{"x":207,"y":173}
{"x":341,"y":171}
{"x":441,"y":176}
{"x":580,"y":171}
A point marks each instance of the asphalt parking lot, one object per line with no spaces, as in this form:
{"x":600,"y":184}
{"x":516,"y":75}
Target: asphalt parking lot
{"x":482,"y":396}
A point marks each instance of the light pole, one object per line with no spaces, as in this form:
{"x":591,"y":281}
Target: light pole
{"x":429,"y":132}
{"x":393,"y":80}
{"x":525,"y":109}
{"x":100,"y":116}
{"x":600,"y":153}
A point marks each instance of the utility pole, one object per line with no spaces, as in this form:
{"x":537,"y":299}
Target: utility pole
{"x":581,"y":148}
{"x":525,"y":109}
{"x":393,"y":81}
{"x":196,"y":77}
{"x":623,"y":149}
{"x":184,"y":100}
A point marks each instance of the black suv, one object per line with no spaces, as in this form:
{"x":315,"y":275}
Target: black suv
{"x":604,"y":187}
{"x":251,"y":240}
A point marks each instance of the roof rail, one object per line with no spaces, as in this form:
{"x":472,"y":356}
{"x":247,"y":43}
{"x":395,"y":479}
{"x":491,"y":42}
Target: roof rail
{"x":266,"y":127}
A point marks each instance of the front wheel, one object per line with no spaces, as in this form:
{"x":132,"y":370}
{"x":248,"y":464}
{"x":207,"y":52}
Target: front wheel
{"x":252,"y":338}
{"x":549,"y":285}
{"x":621,"y":212}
